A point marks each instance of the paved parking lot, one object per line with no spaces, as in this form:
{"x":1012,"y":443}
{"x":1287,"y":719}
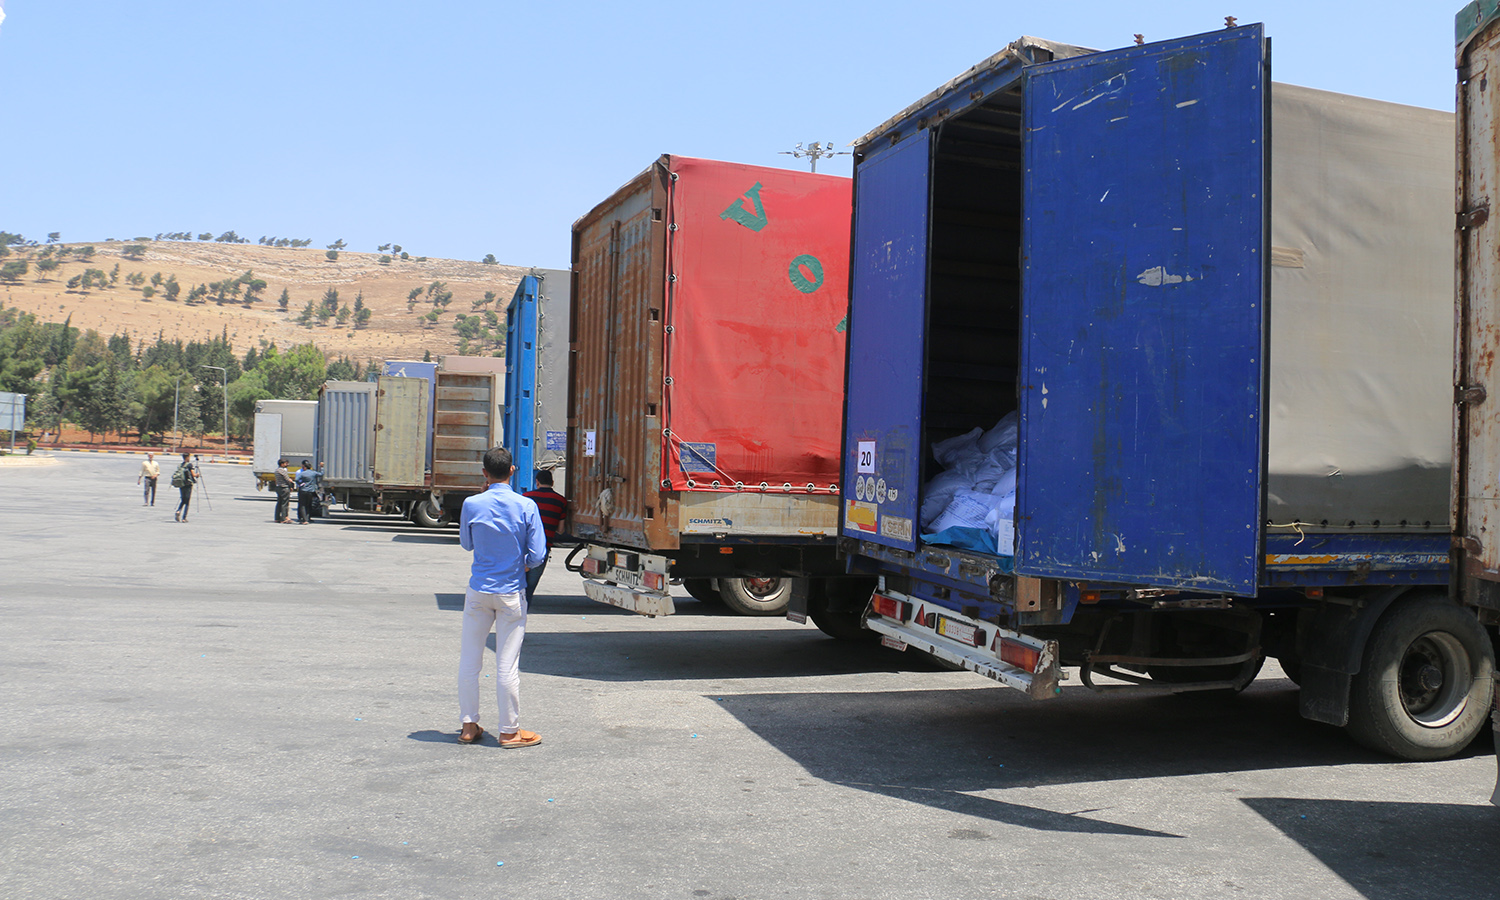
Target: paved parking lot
{"x":234,"y":708}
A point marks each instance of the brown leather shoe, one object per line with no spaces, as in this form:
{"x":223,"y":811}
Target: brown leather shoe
{"x":520,"y":739}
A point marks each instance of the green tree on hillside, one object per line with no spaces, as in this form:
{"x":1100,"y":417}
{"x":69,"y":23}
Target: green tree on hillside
{"x":12,"y":271}
{"x":47,"y":266}
{"x":489,"y":259}
{"x":54,"y":236}
{"x":332,"y":255}
{"x":337,"y":245}
{"x":285,"y":300}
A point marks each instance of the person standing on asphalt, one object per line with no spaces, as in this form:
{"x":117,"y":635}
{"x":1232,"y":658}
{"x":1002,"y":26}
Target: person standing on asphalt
{"x":183,"y":479}
{"x":150,"y":471}
{"x":554,"y":509}
{"x":307,"y":489}
{"x":283,"y":493}
{"x":504,"y":532}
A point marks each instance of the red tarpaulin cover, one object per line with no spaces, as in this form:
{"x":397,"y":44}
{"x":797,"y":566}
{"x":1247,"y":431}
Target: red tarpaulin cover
{"x":755,"y":353}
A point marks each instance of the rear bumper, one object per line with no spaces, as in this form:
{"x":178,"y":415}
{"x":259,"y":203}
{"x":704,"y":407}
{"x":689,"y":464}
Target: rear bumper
{"x":924,"y":630}
{"x":647,"y":604}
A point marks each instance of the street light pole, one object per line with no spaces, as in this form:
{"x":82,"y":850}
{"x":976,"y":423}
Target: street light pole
{"x":224,"y":382}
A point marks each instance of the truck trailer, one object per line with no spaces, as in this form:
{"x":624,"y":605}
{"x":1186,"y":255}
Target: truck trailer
{"x":536,"y":378}
{"x":1149,"y":378}
{"x":706,"y":384}
{"x":1476,"y":483}
{"x":284,"y":429}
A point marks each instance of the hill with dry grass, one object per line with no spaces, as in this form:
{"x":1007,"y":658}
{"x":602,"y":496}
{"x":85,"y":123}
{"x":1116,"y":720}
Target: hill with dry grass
{"x":394,"y":329}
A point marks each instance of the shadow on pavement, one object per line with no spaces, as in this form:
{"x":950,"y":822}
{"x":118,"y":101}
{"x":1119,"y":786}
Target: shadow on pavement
{"x":1396,"y":851}
{"x":431,"y":736}
{"x":644,"y":656}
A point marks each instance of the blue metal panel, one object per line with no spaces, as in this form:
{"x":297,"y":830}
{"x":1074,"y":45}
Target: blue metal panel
{"x":887,"y":312}
{"x":1143,"y":322}
{"x":520,"y":383}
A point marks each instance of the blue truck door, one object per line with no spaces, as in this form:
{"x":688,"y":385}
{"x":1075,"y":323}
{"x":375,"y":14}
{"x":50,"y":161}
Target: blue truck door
{"x":1144,"y":315}
{"x":520,"y":383}
{"x":887,"y":312}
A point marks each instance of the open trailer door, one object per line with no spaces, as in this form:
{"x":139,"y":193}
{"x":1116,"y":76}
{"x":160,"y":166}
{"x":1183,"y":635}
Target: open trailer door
{"x":888,"y":305}
{"x":1144,"y":317}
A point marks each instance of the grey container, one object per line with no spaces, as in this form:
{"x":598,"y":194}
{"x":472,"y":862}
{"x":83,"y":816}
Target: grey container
{"x":346,"y":432}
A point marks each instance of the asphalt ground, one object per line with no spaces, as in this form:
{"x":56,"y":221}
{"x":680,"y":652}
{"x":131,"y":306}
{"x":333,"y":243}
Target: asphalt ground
{"x":235,"y":708}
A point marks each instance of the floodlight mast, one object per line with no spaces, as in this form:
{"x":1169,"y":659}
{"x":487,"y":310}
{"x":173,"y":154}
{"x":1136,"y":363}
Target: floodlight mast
{"x":814,"y":152}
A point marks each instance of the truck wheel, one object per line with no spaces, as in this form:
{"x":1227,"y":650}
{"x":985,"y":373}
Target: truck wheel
{"x":423,"y":514}
{"x":756,"y":596}
{"x":702,"y":590}
{"x":1423,"y":691}
{"x":839,"y":612}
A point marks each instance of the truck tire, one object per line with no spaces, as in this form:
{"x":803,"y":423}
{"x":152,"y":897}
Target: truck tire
{"x":1424,"y":689}
{"x":702,"y":590}
{"x":839,"y":611}
{"x":756,"y":596}
{"x":422,"y":514}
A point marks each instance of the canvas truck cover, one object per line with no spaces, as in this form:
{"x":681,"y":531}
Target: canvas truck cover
{"x":1361,"y":377}
{"x":708,"y":332}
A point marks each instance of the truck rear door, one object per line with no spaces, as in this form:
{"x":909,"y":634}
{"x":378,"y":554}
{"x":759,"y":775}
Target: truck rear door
{"x":883,"y":400}
{"x":401,"y":430}
{"x":520,"y":382}
{"x":1144,"y":315}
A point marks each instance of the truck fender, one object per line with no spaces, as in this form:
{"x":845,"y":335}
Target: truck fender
{"x":1331,"y":648}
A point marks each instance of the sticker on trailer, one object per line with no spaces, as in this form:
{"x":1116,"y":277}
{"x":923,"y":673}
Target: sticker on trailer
{"x":865,"y":458}
{"x":699,"y":457}
{"x":895,"y":527}
{"x":880,"y":491}
{"x":557,"y":441}
{"x":860,"y":516}
{"x":859,"y":487}
{"x":588,"y":443}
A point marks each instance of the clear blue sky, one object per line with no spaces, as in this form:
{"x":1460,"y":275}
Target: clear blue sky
{"x":463,"y":128}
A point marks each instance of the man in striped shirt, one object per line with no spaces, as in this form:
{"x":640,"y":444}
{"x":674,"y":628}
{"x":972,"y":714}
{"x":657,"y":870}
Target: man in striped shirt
{"x":554,"y":509}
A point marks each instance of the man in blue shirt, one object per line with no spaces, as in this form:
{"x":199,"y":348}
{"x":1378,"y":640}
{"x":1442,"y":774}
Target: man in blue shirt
{"x":307,"y":489}
{"x":504,"y":531}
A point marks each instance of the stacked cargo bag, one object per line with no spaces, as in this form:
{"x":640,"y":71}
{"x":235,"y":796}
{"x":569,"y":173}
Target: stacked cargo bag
{"x":971,"y":504}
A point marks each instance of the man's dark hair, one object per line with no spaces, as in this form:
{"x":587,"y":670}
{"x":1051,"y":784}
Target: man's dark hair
{"x":497,"y":463}
{"x":544,"y":477}
{"x":281,"y":462}
{"x":186,"y":454}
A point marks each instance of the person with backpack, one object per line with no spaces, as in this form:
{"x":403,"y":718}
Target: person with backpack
{"x":183,"y":478}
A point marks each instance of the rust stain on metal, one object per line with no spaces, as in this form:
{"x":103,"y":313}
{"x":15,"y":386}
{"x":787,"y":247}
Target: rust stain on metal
{"x":1476,"y":494}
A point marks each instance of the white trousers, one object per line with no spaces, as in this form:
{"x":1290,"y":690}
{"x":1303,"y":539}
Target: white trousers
{"x":506,"y":613}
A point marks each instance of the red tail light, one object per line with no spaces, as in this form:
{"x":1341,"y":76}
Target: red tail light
{"x":654,"y":580}
{"x":1020,"y":655}
{"x":592,"y":566}
{"x":891,"y":608}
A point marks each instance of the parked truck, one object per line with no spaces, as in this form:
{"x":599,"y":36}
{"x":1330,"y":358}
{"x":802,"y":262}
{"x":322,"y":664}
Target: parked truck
{"x":707,"y":335}
{"x":536,"y":378}
{"x":284,"y":429}
{"x":374,"y":437}
{"x":1476,"y":486}
{"x":1149,"y":377}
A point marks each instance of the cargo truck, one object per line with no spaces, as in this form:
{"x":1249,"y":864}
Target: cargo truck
{"x":1476,"y":485}
{"x":1207,"y":322}
{"x":284,"y":429}
{"x":373,"y":439}
{"x":706,"y":384}
{"x":536,"y":378}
